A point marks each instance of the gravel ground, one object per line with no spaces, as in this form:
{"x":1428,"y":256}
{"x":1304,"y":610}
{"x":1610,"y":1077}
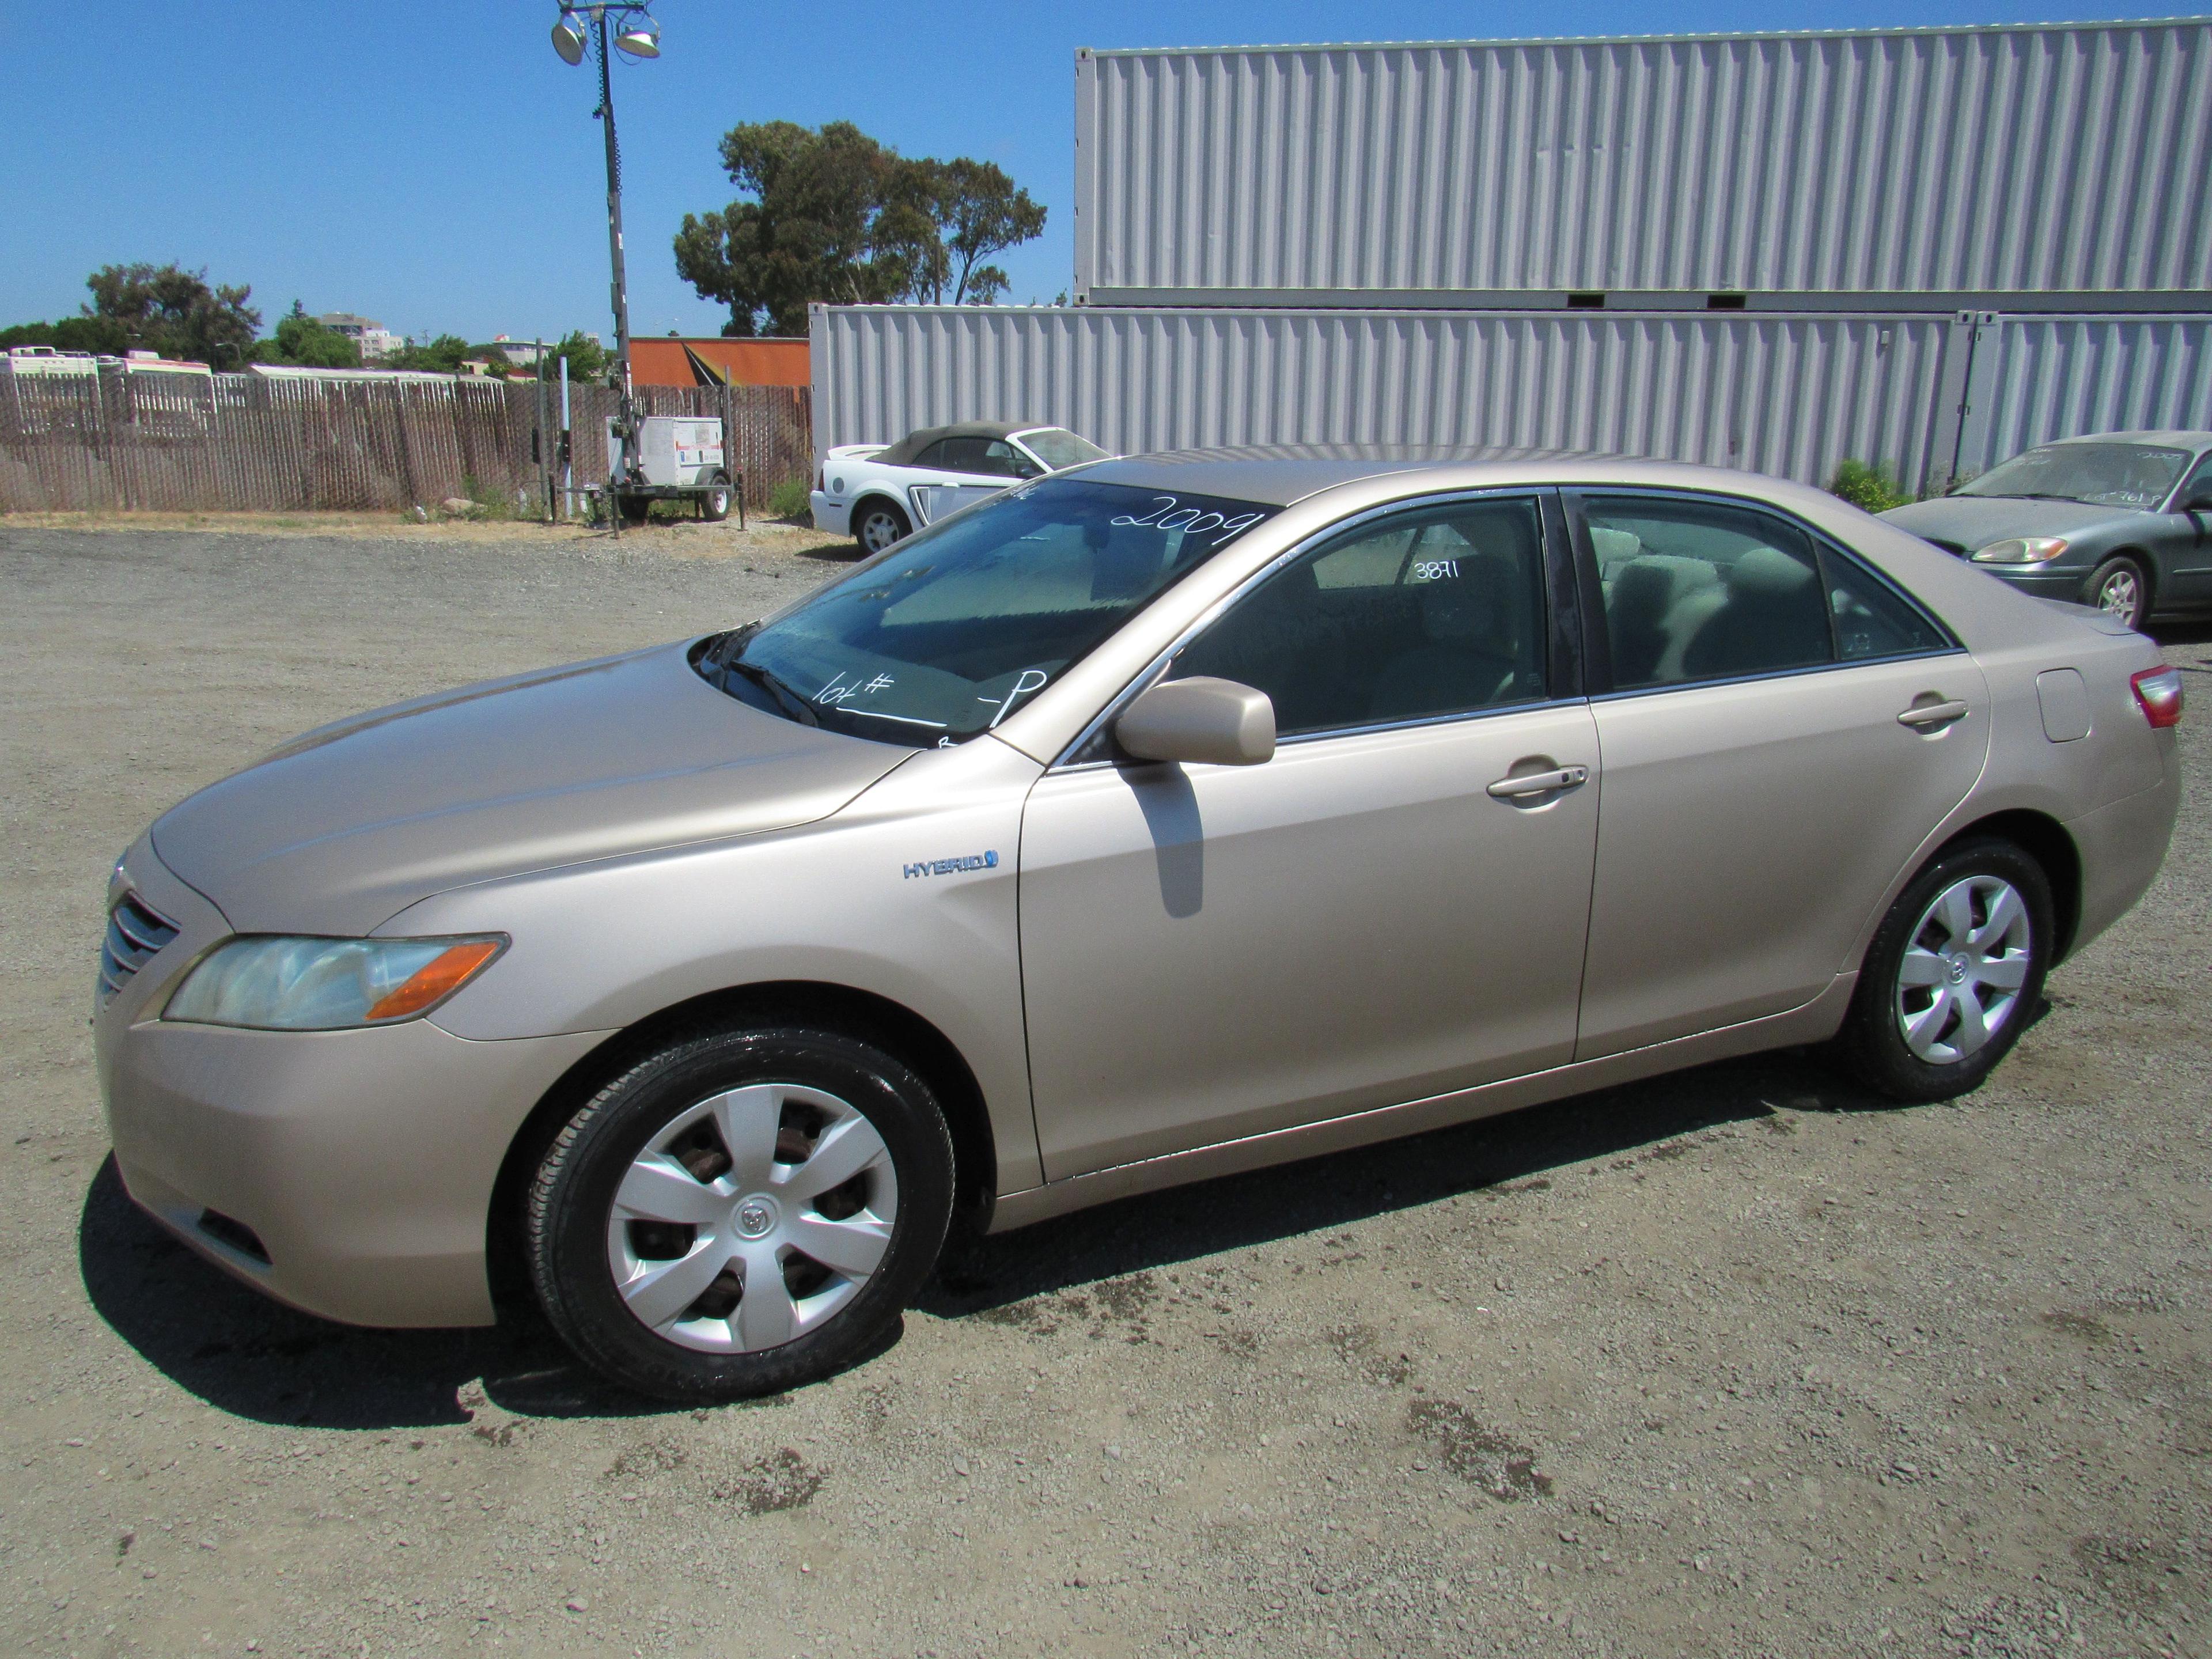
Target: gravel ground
{"x":1734,"y":1362}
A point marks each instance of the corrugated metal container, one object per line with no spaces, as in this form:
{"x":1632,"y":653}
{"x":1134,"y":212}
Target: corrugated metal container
{"x":1945,"y":162}
{"x":2053,"y":377}
{"x":1788,"y":395}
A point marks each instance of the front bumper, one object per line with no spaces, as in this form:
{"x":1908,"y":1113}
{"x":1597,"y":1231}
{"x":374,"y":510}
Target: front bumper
{"x":363,"y":1161}
{"x":2043,"y":582}
{"x":831,"y":516}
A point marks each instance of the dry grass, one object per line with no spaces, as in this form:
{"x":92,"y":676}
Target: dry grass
{"x":684,"y":538}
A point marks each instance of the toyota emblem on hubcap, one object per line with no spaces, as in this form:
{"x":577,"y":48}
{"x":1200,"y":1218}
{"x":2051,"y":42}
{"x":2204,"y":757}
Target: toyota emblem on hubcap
{"x":1958,"y":970}
{"x":755,"y":1217}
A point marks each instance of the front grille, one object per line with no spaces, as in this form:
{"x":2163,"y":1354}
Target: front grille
{"x":134,"y":934}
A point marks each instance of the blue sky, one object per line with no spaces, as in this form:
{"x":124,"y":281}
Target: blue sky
{"x":434,"y":166}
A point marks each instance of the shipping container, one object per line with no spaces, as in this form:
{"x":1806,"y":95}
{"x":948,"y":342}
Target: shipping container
{"x":1925,"y":396}
{"x":1937,"y":168}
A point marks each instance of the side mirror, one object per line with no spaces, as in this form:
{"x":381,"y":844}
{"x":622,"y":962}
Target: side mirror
{"x":1216,"y":722}
{"x":2200,"y":502}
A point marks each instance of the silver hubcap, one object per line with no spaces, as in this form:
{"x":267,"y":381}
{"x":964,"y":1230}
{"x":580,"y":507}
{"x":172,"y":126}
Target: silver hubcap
{"x":1963,"y":970}
{"x":877,"y":532}
{"x":2118,"y":594}
{"x":753,"y":1218}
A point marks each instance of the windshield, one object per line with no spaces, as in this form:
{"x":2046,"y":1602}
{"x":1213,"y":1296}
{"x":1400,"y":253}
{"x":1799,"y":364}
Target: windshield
{"x":1060,"y":449}
{"x":945,"y":633}
{"x":2109,"y":475}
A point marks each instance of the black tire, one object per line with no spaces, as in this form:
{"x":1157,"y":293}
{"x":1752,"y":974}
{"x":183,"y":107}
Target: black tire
{"x":715,"y":506}
{"x":2120,"y":587}
{"x":635,"y":509}
{"x":568,"y":1224}
{"x":877,"y":523}
{"x":1873,"y":1044}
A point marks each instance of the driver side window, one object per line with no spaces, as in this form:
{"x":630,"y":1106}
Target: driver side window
{"x":2199,"y":486}
{"x":1428,"y":613}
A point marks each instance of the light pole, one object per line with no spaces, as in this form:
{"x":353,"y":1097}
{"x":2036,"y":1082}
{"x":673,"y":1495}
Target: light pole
{"x":635,"y":35}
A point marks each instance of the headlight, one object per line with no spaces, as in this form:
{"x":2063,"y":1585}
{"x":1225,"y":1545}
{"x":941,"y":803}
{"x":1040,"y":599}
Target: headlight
{"x":277,"y":984}
{"x":2021,"y":550}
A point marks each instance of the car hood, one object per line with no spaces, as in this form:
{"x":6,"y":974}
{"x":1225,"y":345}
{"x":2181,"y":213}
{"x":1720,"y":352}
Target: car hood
{"x":344,"y":828}
{"x":1975,"y":521}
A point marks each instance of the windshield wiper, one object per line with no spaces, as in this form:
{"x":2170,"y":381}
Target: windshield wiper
{"x":796,"y":705}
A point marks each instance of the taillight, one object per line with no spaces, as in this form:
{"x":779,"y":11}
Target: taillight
{"x":2157,"y":691}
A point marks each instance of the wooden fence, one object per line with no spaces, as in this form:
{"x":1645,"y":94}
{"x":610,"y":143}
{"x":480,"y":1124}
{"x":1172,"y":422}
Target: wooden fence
{"x":123,"y":440}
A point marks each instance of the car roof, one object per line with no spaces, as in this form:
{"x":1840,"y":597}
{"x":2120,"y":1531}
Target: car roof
{"x":1281,"y":475}
{"x":904,"y":453}
{"x":2164,"y":437}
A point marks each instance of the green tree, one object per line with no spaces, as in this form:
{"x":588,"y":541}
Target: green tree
{"x":167,"y":309}
{"x":301,"y":339}
{"x":101,"y":336}
{"x":978,"y":211}
{"x":441,"y":357}
{"x":829,"y":214}
{"x":587,"y":359}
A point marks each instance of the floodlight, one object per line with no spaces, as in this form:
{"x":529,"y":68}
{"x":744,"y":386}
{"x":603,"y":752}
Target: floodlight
{"x":640,"y":37}
{"x":569,"y":39}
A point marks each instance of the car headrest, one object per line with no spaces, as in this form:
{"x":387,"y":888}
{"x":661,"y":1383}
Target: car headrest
{"x":1768,"y":571}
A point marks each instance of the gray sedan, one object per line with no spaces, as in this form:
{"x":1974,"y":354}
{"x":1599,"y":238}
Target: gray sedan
{"x":2122,"y":520}
{"x":1147,"y":821}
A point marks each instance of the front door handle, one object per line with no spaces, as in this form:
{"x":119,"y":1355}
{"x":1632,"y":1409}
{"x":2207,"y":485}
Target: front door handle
{"x":1927,"y":716}
{"x":1541,"y":783}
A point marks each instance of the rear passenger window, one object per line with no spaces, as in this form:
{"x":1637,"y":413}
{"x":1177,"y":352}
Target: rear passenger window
{"x":1872,"y":619}
{"x":1705,"y":591}
{"x":1430,"y":613}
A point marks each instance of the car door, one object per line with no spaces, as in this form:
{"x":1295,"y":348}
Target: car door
{"x":1783,"y":729}
{"x":2187,"y":540}
{"x":1393,"y":907}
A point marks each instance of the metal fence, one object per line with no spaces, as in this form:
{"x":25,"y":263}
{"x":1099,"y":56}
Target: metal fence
{"x":130,"y":441}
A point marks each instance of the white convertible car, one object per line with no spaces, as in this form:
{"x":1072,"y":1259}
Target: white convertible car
{"x":875,"y":493}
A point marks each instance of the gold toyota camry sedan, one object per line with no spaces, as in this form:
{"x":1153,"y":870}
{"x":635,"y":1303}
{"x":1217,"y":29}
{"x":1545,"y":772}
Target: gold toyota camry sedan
{"x":1166,"y":818}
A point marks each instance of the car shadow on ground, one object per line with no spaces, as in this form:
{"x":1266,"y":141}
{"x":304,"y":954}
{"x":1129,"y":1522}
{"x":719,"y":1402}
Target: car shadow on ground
{"x":242,"y":1353}
{"x":1161,"y":1229}
{"x":246,"y":1355}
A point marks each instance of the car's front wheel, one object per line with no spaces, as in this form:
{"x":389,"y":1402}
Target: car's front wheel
{"x":877,"y":524}
{"x":742,"y":1211}
{"x":1954,"y":973}
{"x":2120,"y":588}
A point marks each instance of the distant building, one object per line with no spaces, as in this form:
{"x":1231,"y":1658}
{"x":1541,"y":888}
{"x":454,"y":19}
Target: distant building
{"x":523,"y":353}
{"x":371,"y":337}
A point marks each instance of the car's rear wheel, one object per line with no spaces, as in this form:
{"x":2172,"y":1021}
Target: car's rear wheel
{"x":1954,"y":973}
{"x":746,"y":1210}
{"x":877,"y":524}
{"x":2120,"y":588}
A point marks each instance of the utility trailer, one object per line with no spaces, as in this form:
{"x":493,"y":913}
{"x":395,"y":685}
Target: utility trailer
{"x":680,"y":457}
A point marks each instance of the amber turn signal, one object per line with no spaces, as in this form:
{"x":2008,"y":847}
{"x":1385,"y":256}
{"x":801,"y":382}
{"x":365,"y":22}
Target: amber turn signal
{"x":438,"y":978}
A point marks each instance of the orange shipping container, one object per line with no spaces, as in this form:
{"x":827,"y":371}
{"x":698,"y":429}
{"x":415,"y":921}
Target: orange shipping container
{"x":670,"y":360}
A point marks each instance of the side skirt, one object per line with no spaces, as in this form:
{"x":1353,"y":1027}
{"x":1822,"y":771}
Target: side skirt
{"x":1812,"y":1021}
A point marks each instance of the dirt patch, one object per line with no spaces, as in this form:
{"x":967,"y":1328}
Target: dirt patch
{"x":1472,"y":1450}
{"x":781,"y":1480}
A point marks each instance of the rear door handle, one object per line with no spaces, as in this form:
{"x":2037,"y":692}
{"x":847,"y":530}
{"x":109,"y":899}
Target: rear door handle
{"x":1926,"y":717}
{"x":1541,"y":783}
